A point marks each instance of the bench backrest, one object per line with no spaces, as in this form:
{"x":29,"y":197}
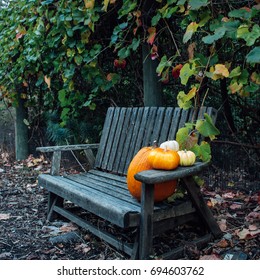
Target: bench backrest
{"x":127,"y":130}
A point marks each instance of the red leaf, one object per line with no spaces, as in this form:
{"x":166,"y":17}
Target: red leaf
{"x":152,"y":34}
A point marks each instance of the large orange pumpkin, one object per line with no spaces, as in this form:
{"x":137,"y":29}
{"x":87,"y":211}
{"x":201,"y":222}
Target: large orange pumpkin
{"x":140,"y":163}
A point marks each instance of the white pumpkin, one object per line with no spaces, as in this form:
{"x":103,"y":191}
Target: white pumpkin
{"x":187,"y":158}
{"x":170,"y":145}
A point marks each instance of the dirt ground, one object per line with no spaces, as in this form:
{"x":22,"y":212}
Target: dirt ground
{"x":25,"y":234}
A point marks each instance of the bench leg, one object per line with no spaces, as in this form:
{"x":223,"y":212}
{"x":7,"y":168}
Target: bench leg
{"x":202,"y":208}
{"x":146,"y":223}
{"x":53,"y":200}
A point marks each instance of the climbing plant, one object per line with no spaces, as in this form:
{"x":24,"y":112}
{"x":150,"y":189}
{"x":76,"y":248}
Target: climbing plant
{"x":72,"y":56}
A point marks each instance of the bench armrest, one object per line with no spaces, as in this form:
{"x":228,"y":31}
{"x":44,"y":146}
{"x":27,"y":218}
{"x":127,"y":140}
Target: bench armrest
{"x":159,"y":176}
{"x":67,"y":148}
{"x":56,"y":157}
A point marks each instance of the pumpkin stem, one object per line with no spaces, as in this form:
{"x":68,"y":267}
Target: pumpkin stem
{"x":155,"y":144}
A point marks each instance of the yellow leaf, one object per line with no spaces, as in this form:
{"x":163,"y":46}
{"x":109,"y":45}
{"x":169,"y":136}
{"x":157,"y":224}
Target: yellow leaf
{"x":105,"y":5}
{"x":89,"y":4}
{"x":220,"y":69}
{"x":235,"y":87}
{"x":192,"y":93}
{"x":47,"y":80}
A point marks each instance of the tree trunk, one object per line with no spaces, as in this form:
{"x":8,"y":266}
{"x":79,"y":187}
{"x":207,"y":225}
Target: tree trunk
{"x":21,"y":130}
{"x":151,"y":83}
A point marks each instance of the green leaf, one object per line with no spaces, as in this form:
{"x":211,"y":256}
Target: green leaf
{"x":218,"y":34}
{"x":197,"y":4}
{"x":205,"y":151}
{"x":240,"y":13}
{"x":62,"y":97}
{"x":235,"y":72}
{"x":191,"y":29}
{"x":251,"y":88}
{"x":207,"y":128}
{"x":163,"y":63}
{"x":156,"y":19}
{"x":250,"y":37}
{"x":253,"y":56}
{"x":184,"y":100}
{"x":181,"y":137}
{"x":186,"y":71}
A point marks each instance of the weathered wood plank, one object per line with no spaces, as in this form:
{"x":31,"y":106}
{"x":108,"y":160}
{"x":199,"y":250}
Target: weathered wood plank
{"x":109,"y":147}
{"x":104,"y":137}
{"x":55,"y":166}
{"x":174,"y":125}
{"x":67,"y":148}
{"x":158,"y":176}
{"x":146,"y":223}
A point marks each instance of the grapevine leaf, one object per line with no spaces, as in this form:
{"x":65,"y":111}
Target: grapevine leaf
{"x":205,"y":151}
{"x":184,"y":100}
{"x":254,"y":55}
{"x":181,"y":137}
{"x":235,"y":72}
{"x":240,"y":13}
{"x":186,"y":71}
{"x":207,"y":128}
{"x":191,"y":29}
{"x":196,"y":4}
{"x":218,"y":34}
{"x":152,"y":34}
{"x":235,"y":87}
{"x":255,"y":78}
{"x":163,"y":63}
{"x":250,"y":37}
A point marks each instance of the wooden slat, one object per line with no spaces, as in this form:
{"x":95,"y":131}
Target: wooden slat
{"x":125,"y":119}
{"x":104,"y":136}
{"x":127,"y":142}
{"x":174,"y":125}
{"x":158,"y":123}
{"x":109,"y":147}
{"x":118,"y":135}
{"x":132,"y":144}
{"x":165,"y":129}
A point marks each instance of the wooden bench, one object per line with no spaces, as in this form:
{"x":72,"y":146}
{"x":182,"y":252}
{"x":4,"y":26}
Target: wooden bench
{"x":103,"y":189}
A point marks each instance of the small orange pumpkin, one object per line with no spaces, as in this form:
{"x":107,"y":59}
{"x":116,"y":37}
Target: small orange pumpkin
{"x":165,"y":159}
{"x":140,"y":163}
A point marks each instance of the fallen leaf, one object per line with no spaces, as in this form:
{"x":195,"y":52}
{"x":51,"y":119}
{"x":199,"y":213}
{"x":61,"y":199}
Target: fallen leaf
{"x":68,"y":227}
{"x":84,"y":248}
{"x":223,"y":243}
{"x":223,"y":224}
{"x":4,"y":216}
{"x":229,"y":195}
{"x":252,"y":227}
{"x":247,"y":234}
{"x":210,"y":257}
{"x":235,"y":206}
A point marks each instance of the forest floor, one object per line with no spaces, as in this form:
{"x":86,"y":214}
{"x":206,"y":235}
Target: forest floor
{"x":25,"y":234}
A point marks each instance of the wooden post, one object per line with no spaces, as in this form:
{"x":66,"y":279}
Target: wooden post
{"x":21,"y":130}
{"x":146,"y":226}
{"x":151,"y":83}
